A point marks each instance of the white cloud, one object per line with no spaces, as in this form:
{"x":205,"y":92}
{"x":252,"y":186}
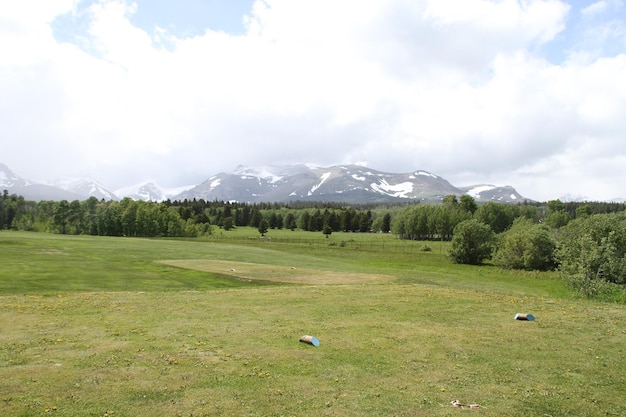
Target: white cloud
{"x":453,"y":87}
{"x":600,"y":7}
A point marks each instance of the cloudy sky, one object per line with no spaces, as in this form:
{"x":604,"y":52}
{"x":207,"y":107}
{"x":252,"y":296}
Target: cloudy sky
{"x":528,"y":93}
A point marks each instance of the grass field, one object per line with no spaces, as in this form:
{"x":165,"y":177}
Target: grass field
{"x":95,"y":326}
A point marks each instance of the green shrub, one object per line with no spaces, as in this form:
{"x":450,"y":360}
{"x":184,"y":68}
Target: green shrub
{"x":592,"y":252}
{"x":526,"y":245}
{"x":472,"y":242}
{"x":592,"y":287}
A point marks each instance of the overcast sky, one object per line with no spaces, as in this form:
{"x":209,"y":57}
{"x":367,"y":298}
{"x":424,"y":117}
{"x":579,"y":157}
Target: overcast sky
{"x":507,"y":92}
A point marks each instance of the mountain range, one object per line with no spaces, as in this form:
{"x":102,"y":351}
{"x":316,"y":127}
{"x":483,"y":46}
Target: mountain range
{"x":340,"y":183}
{"x":304,"y":182}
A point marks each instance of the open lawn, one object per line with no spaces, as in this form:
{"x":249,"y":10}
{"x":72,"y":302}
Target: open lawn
{"x":94,"y":326}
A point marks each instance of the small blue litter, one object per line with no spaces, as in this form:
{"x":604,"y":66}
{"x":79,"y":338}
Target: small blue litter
{"x":310,"y":340}
{"x":525,"y":317}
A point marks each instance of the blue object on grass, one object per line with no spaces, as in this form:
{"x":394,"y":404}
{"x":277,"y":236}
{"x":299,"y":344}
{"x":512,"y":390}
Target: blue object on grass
{"x":311,"y":340}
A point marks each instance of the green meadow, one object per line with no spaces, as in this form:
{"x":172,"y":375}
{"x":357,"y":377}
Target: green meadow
{"x":101,"y":326}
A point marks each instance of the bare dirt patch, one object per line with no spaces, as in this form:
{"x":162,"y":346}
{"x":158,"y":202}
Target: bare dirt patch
{"x":288,"y":274}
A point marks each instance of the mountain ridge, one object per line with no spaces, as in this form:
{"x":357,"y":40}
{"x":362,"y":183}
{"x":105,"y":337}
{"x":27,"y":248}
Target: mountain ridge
{"x":348,"y":183}
{"x":84,"y":186}
{"x":149,"y":191}
{"x":338,"y":183}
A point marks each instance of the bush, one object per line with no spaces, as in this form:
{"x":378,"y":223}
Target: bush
{"x":592,"y":252}
{"x":526,"y":245}
{"x":593,"y":287}
{"x":472,"y":242}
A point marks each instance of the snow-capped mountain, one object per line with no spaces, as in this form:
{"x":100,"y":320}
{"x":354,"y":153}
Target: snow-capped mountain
{"x":579,"y":198}
{"x":86,"y":187}
{"x":149,"y":191}
{"x":571,"y":198}
{"x":14,"y":184}
{"x":341,"y":183}
{"x":8,"y":179}
{"x":81,"y":189}
{"x":488,"y":192}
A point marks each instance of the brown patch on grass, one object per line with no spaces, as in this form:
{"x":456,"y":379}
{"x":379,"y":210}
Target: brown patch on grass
{"x":288,"y":274}
{"x":51,"y":252}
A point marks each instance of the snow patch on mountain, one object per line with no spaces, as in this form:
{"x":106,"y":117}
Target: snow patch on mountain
{"x":398,"y":190}
{"x":149,"y":191}
{"x":215,"y":183}
{"x":265,"y":172}
{"x":426,"y":174}
{"x":5,"y":180}
{"x":324,"y":177}
{"x":475,"y":192}
{"x":9,"y":179}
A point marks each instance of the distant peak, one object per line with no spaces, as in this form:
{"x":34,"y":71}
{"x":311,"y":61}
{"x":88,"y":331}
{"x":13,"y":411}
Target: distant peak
{"x":10,"y":179}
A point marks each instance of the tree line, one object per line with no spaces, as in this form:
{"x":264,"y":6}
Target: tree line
{"x":187,"y":218}
{"x":195,"y":217}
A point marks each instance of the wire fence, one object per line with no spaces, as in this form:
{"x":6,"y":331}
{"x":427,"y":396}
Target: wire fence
{"x":374,"y":245}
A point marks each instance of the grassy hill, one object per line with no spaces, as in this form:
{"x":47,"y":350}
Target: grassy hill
{"x":95,"y":326}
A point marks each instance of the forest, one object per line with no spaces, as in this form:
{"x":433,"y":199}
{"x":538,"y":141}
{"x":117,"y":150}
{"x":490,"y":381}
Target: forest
{"x":194,"y":218}
{"x":185,"y":218}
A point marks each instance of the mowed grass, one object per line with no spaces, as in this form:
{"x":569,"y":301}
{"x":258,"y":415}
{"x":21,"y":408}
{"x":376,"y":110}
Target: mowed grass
{"x":103,"y":326}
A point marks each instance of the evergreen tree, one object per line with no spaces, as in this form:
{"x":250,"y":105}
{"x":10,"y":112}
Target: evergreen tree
{"x":3,"y":209}
{"x":273,"y":221}
{"x":346,"y":220}
{"x":290,"y":221}
{"x":256,"y":217}
{"x":386,"y":224}
{"x":305,"y":221}
{"x":315,"y":222}
{"x":227,"y":223}
{"x":61,"y":215}
{"x":327,"y":230}
{"x":263,"y":226}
